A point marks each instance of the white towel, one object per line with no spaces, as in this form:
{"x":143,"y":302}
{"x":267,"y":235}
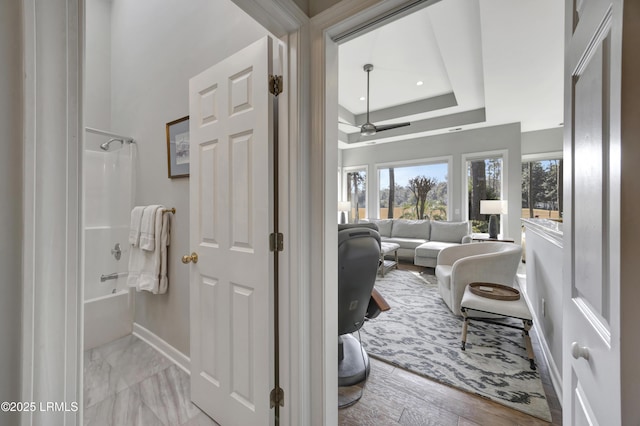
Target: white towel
{"x":148,"y":269}
{"x":148,"y":228}
{"x":165,"y":241}
{"x":134,"y":227}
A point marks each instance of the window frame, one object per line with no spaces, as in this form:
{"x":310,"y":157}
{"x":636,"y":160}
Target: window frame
{"x":504,"y":183}
{"x":448,"y":159}
{"x":345,"y":190}
{"x":540,"y":156}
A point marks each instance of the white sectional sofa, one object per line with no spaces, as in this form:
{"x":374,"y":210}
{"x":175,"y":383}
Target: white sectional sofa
{"x":422,"y":240}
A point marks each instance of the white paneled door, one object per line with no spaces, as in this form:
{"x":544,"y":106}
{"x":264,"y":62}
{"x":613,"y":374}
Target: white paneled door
{"x":591,"y":331}
{"x":231,"y":190}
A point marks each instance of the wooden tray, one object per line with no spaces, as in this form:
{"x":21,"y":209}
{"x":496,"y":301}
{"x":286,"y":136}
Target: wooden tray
{"x":494,"y":291}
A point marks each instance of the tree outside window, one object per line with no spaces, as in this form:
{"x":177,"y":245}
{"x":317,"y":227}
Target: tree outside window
{"x":542,"y":189}
{"x":413,"y":192}
{"x":484,"y":182}
{"x":357,"y":194}
{"x":420,"y":187}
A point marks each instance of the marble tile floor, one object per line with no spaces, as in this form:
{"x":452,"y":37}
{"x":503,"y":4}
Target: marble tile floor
{"x":128,"y":382}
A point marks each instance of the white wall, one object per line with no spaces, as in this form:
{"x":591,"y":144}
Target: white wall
{"x":157,"y":45}
{"x":303,"y":5}
{"x":318,"y":6}
{"x":97,"y":105}
{"x":544,"y":286}
{"x":505,"y":137}
{"x":542,"y":141}
{"x":11,"y":194}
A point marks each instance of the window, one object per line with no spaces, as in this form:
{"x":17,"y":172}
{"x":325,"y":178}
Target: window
{"x":356,"y":192}
{"x":484,"y":182}
{"x":414,"y":192}
{"x":542,"y":188}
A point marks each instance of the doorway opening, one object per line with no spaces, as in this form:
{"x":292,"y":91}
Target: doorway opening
{"x":456,"y":121}
{"x":145,"y":340}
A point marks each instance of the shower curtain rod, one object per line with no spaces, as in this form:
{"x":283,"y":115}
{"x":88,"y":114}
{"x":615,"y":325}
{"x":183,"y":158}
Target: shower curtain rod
{"x":105,"y":133}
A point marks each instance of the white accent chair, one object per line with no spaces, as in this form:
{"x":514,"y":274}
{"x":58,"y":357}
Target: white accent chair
{"x":491,"y":262}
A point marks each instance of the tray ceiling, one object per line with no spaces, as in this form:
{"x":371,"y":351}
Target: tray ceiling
{"x":480,"y":63}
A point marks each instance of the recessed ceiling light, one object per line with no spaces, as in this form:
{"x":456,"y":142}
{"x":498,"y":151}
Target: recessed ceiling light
{"x":420,"y":83}
{"x":362,"y":98}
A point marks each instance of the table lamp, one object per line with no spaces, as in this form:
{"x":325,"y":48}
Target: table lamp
{"x":343,"y":206}
{"x":493,"y":207}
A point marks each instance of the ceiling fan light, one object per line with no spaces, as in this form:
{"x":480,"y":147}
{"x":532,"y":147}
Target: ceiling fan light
{"x":368,"y":129}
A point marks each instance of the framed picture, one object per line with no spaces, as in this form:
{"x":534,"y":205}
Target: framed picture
{"x":178,"y":147}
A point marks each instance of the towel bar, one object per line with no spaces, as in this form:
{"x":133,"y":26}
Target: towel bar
{"x":112,"y":276}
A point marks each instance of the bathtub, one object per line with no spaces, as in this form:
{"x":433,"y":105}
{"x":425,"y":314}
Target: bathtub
{"x":107,"y":318}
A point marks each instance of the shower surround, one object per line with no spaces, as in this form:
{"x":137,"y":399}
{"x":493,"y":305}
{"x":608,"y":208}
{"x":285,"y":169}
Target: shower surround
{"x":108,"y":199}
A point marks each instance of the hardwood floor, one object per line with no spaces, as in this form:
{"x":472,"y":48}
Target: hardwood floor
{"x":394,"y":396}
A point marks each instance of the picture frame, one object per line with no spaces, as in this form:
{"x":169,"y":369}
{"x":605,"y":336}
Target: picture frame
{"x":178,"y":148}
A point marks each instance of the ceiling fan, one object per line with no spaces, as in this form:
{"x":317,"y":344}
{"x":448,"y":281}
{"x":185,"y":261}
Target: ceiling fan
{"x":368,"y":128}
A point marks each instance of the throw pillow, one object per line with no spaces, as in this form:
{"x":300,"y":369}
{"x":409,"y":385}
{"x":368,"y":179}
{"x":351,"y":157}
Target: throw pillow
{"x":403,"y":228}
{"x":384,"y":226}
{"x":449,"y":232}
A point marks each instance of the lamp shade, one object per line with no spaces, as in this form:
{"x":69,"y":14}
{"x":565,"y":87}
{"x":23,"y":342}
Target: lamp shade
{"x":493,"y":206}
{"x":344,"y":206}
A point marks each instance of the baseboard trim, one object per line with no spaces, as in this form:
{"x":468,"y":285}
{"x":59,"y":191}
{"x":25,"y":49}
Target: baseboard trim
{"x":180,"y":359}
{"x":556,"y":377}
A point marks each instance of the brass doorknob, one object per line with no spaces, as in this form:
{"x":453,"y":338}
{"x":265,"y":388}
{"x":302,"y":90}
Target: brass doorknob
{"x":190,"y":258}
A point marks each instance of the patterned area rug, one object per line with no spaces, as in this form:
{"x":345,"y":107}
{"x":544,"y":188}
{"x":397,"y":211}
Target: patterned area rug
{"x":421,"y":334}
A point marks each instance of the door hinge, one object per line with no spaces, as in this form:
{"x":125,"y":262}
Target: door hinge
{"x":276,"y":241}
{"x":277,"y":397}
{"x":275,"y":84}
